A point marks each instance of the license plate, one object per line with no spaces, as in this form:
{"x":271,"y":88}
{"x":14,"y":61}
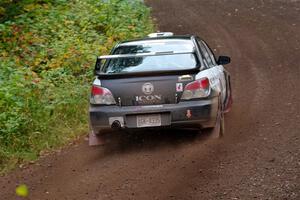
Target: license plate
{"x":148,"y":120}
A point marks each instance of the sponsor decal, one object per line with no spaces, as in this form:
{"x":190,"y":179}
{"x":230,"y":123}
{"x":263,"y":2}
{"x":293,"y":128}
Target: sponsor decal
{"x":189,"y":113}
{"x":179,"y":87}
{"x":148,"y":98}
{"x":148,"y":88}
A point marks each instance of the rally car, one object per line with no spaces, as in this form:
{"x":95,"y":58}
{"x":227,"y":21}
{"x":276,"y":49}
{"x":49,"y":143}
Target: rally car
{"x":163,"y":80}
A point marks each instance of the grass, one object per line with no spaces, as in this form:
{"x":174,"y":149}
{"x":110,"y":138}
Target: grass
{"x":48,"y":50}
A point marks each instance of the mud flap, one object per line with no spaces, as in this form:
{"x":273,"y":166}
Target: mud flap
{"x":95,"y":140}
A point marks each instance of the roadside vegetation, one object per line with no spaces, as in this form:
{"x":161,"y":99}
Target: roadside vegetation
{"x":47,"y":53}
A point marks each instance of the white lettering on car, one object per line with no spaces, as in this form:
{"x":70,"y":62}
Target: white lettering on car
{"x":148,"y":98}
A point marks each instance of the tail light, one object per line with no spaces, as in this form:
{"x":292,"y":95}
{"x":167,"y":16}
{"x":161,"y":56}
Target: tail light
{"x":196,"y":89}
{"x":101,"y":95}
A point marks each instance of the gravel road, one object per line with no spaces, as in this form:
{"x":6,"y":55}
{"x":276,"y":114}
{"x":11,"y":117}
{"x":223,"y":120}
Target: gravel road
{"x":259,"y":158}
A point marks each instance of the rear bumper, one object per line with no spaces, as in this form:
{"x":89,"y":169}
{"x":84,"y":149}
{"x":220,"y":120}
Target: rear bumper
{"x":201,"y":114}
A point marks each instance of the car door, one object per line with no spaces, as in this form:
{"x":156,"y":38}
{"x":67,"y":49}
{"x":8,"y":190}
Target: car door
{"x":225,"y":79}
{"x":220,"y":70}
{"x":214,"y":71}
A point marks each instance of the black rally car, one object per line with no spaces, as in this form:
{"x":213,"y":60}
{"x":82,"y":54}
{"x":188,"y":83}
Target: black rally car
{"x":159,"y":81}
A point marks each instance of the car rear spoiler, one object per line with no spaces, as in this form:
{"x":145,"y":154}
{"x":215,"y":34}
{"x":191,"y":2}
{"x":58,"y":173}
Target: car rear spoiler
{"x":143,"y":54}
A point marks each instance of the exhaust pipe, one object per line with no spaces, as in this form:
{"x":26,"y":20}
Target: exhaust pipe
{"x":116,"y":125}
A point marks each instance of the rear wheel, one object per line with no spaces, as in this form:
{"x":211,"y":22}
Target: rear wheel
{"x":228,"y":105}
{"x":219,"y":129}
{"x":222,"y":125}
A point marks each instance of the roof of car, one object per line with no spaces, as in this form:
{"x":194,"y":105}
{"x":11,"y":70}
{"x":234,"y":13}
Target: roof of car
{"x":187,"y":37}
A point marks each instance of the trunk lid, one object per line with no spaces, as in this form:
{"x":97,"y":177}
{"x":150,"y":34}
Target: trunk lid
{"x":148,"y":90}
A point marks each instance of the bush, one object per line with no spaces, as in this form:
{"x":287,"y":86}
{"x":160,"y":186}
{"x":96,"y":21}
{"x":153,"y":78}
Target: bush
{"x":48,"y":51}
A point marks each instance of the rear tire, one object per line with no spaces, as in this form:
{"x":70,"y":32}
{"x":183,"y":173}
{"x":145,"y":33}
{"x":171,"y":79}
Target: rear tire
{"x":222,"y":125}
{"x":219,"y":130}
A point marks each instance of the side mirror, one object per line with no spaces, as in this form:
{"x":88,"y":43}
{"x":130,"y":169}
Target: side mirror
{"x":223,"y":60}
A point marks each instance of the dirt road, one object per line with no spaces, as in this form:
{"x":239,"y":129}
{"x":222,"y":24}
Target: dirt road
{"x":258,"y":159}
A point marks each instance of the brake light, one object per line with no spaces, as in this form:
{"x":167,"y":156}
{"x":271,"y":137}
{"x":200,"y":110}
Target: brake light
{"x":101,"y":95}
{"x":196,"y":89}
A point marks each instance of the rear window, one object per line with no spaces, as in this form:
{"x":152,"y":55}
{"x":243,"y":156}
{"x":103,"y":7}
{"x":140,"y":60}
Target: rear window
{"x":153,"y":63}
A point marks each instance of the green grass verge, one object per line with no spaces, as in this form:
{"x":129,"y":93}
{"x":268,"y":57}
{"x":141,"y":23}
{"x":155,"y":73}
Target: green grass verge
{"x":48,"y":50}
